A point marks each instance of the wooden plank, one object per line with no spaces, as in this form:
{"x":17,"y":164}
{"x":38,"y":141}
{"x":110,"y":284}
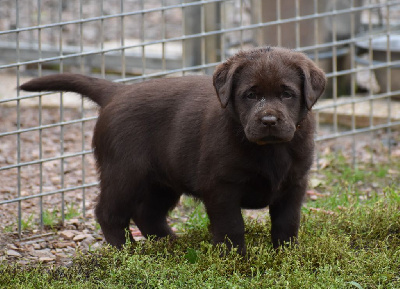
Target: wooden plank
{"x":365,"y":112}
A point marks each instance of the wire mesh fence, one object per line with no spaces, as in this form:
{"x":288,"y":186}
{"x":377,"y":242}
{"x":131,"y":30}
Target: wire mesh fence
{"x":46,"y":164}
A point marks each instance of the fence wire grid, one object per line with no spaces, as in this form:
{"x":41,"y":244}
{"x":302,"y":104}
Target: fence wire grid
{"x":46,"y":164}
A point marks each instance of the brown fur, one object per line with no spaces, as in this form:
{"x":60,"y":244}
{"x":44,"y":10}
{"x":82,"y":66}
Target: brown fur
{"x":247,"y":142}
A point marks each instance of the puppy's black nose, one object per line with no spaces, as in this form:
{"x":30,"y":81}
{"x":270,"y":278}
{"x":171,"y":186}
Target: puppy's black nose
{"x":269,"y":120}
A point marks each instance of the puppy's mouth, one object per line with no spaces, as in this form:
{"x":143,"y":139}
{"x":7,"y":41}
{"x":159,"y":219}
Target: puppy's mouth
{"x":265,"y":136}
{"x":270,"y":140}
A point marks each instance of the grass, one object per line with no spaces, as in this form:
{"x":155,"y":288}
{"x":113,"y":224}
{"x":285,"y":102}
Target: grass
{"x":51,"y":219}
{"x":349,"y":238}
{"x":27,"y":223}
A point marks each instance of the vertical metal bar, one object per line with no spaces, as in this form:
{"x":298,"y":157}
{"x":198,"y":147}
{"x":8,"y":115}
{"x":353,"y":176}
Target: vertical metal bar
{"x":370,"y":58}
{"x":123,"y":64}
{"x":143,"y":39}
{"x":103,"y":57}
{"x":202,"y":39}
{"x":352,"y":85}
{"x":316,"y":32}
{"x":389,"y":79}
{"x":258,"y":10}
{"x":192,"y":25}
{"x":315,"y":24}
{"x":211,"y":43}
{"x":334,"y":68}
{"x":39,"y":21}
{"x":82,"y":67}
{"x":223,"y":26}
{"x":82,"y":60}
{"x":241,"y":24}
{"x":297,"y":24}
{"x":279,"y":28}
{"x":184,"y":41}
{"x":61,"y":115}
{"x":18,"y":107}
{"x":30,"y":7}
{"x":163,"y":36}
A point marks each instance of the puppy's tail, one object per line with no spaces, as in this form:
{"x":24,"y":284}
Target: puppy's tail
{"x":98,"y":90}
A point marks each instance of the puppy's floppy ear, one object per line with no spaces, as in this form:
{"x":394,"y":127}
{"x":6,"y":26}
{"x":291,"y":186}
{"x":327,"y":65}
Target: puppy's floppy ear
{"x":314,"y":83}
{"x":223,"y":81}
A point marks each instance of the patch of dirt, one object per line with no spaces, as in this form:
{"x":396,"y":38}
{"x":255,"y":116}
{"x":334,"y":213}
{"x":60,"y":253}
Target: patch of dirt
{"x":46,"y":243}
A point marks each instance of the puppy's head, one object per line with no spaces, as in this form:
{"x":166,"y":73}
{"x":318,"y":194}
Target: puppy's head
{"x":270,"y":90}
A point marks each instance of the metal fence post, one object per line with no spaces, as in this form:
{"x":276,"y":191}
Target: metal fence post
{"x":199,"y":19}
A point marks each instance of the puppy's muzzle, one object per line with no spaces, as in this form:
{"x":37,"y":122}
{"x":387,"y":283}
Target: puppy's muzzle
{"x":271,"y":130}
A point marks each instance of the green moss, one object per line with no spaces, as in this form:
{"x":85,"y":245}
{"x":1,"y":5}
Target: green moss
{"x":355,"y":245}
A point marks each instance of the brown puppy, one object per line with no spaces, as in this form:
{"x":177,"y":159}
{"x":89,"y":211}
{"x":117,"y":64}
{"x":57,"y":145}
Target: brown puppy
{"x":247,"y":142}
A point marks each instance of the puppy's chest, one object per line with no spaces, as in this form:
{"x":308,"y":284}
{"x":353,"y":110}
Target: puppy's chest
{"x":265,"y":184}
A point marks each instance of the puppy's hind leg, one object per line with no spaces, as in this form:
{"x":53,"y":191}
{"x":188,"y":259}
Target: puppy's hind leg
{"x":150,"y":214}
{"x":113,"y":210}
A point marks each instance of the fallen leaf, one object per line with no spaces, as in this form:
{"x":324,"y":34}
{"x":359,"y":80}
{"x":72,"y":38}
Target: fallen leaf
{"x":322,"y":211}
{"x":314,"y":182}
{"x":135,"y":232}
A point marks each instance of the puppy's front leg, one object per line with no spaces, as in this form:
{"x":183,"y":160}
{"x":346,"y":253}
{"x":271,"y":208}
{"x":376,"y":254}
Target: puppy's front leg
{"x":226,"y":221}
{"x":285,"y":215}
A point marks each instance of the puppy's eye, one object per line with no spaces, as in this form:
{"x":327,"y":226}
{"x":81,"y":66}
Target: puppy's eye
{"x":251,"y":95}
{"x":287,"y":94}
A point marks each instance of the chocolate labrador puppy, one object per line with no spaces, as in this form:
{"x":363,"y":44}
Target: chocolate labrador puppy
{"x":242,"y":139}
